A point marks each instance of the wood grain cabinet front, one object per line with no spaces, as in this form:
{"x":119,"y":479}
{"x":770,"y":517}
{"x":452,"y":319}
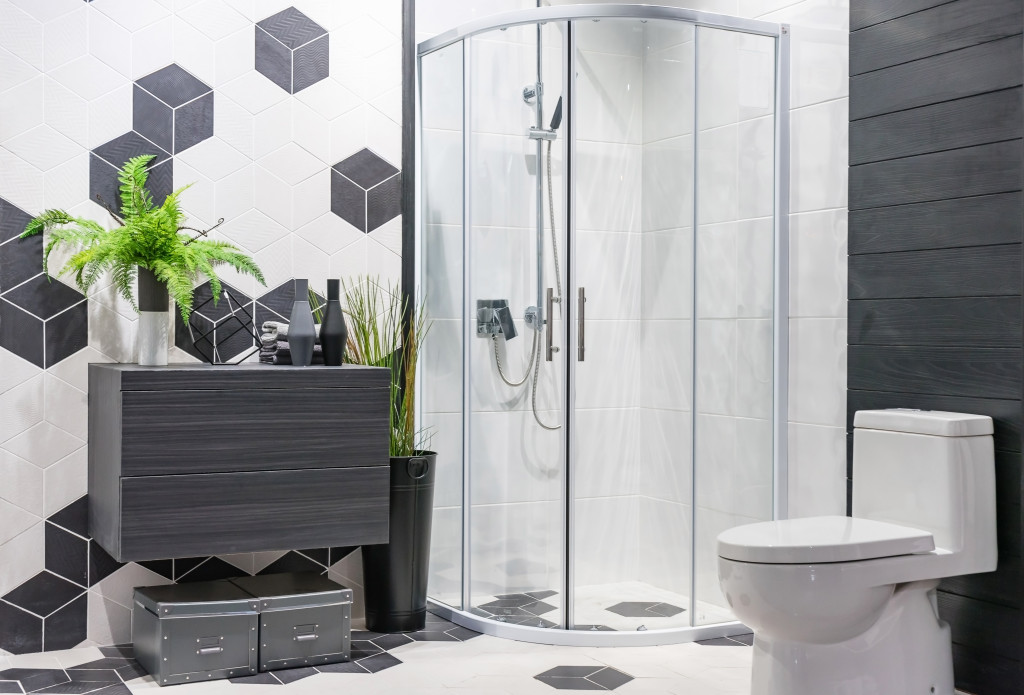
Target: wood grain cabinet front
{"x":197,"y":460}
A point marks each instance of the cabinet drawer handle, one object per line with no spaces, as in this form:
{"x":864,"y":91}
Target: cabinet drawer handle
{"x":209,"y":650}
{"x":306,"y":638}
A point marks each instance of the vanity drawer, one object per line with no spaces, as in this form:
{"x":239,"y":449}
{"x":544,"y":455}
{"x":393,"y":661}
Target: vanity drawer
{"x":223,"y":513}
{"x":252,"y":430}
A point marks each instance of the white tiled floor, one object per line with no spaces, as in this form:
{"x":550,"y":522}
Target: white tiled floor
{"x":484,"y":665}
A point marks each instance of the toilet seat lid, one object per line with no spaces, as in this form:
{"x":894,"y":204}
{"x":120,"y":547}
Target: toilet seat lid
{"x":821,"y":539}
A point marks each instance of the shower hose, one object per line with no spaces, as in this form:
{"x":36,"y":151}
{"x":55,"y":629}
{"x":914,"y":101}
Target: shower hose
{"x":534,"y":365}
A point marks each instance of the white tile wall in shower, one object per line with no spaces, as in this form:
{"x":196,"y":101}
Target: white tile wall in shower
{"x":513,"y":459}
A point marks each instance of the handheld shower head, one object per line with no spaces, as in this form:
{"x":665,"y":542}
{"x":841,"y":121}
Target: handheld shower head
{"x":556,"y":117}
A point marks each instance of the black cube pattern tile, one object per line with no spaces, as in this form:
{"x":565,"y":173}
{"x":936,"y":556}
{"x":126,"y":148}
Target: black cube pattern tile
{"x":101,"y":564}
{"x":10,"y":687}
{"x":42,"y":321}
{"x":645,"y":609}
{"x":172,"y":108}
{"x":228,"y":325}
{"x":293,"y":562}
{"x":21,"y":333}
{"x":22,"y":632}
{"x":66,"y":627}
{"x":20,"y":260}
{"x":365,"y":190}
{"x":211,"y":570}
{"x":584,"y":678}
{"x":67,"y":555}
{"x":74,"y":517}
{"x":292,"y":50}
{"x":105,"y":160}
{"x":66,"y":333}
{"x":44,"y":298}
{"x":43,"y":594}
{"x":12,"y":221}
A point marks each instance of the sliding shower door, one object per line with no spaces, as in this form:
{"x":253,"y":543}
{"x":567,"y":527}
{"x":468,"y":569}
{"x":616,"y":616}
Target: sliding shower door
{"x":516,"y":383}
{"x":633,"y":258}
{"x":602,"y":233}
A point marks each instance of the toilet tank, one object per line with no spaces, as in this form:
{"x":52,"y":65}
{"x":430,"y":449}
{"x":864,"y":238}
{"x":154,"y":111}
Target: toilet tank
{"x":931,"y":470}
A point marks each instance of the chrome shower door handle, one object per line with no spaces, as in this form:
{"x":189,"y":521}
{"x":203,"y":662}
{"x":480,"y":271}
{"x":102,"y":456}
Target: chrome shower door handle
{"x":549,"y":306}
{"x":581,"y":321}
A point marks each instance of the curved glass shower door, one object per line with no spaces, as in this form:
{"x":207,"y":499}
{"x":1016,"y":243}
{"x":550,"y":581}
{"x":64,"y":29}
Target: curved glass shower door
{"x":603,"y":217}
{"x":632,"y":247}
{"x":516,"y":512}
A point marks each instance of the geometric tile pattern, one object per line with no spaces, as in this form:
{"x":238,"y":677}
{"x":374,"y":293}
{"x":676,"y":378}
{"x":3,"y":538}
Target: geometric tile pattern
{"x":173,"y":109}
{"x":366,"y":190}
{"x":227,"y":325}
{"x":370,"y":652}
{"x":292,"y":50}
{"x":584,"y":677}
{"x":645,"y":609}
{"x":41,"y":321}
{"x":105,"y":676}
{"x":519,"y":609}
{"x":49,"y":611}
{"x":74,"y":106}
{"x":746,"y":640}
{"x":108,"y":675}
{"x":527,"y":609}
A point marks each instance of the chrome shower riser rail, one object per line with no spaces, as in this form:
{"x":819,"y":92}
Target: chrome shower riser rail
{"x":562,"y":13}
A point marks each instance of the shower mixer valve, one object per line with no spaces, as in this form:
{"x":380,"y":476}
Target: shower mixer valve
{"x":494,"y":318}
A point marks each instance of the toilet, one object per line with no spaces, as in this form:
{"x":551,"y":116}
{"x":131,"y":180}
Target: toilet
{"x":847,"y":605}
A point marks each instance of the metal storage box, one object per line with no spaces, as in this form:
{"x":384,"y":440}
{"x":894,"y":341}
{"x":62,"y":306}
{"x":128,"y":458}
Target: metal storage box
{"x":305,"y":619}
{"x":185,"y":633}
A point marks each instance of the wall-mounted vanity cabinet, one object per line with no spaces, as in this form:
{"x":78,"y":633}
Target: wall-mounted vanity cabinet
{"x":197,"y":460}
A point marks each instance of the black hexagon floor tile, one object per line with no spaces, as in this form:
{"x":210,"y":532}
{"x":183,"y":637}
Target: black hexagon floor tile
{"x":584,"y":678}
{"x":645,"y":609}
{"x":32,"y":679}
{"x":10,"y":687}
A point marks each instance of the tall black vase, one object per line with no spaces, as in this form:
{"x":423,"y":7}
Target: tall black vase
{"x":301,"y":331}
{"x":333,"y":333}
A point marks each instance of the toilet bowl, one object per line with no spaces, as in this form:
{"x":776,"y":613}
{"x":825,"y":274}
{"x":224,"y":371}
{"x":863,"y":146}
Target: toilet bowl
{"x":846,"y":605}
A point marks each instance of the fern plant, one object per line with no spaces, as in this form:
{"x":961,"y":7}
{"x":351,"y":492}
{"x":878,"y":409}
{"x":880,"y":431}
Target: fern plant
{"x":147,"y":236}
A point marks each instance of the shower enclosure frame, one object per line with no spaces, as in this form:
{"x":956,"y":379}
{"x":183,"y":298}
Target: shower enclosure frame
{"x":570,"y":14}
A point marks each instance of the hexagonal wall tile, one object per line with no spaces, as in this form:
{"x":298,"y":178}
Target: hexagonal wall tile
{"x":43,"y":321}
{"x":292,"y":50}
{"x":173,"y":109}
{"x":366,"y":190}
{"x":108,"y":158}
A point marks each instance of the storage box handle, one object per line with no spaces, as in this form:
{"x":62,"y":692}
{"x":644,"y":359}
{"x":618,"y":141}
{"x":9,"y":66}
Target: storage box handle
{"x":305,"y":633}
{"x":209,"y":650}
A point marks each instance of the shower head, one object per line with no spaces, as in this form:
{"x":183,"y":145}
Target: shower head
{"x":556,"y":117}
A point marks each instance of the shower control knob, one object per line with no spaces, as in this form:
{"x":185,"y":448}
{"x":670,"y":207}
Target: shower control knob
{"x":530,"y":92}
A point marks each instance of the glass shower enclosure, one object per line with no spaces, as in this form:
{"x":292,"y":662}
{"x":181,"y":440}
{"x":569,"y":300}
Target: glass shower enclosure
{"x":601,"y":250}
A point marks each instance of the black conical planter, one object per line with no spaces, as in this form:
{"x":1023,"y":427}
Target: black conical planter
{"x":395,"y":575}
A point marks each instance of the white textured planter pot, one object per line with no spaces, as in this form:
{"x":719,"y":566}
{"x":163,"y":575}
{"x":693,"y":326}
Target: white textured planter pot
{"x":152,"y":340}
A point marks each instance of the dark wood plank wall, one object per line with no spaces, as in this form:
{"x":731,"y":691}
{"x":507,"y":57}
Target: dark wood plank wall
{"x":935,"y":268}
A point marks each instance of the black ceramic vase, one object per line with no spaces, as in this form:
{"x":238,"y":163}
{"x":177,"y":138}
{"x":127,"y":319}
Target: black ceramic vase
{"x":301,"y":331}
{"x":333,"y":333}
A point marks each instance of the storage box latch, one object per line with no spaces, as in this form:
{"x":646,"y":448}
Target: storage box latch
{"x":305,"y":633}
